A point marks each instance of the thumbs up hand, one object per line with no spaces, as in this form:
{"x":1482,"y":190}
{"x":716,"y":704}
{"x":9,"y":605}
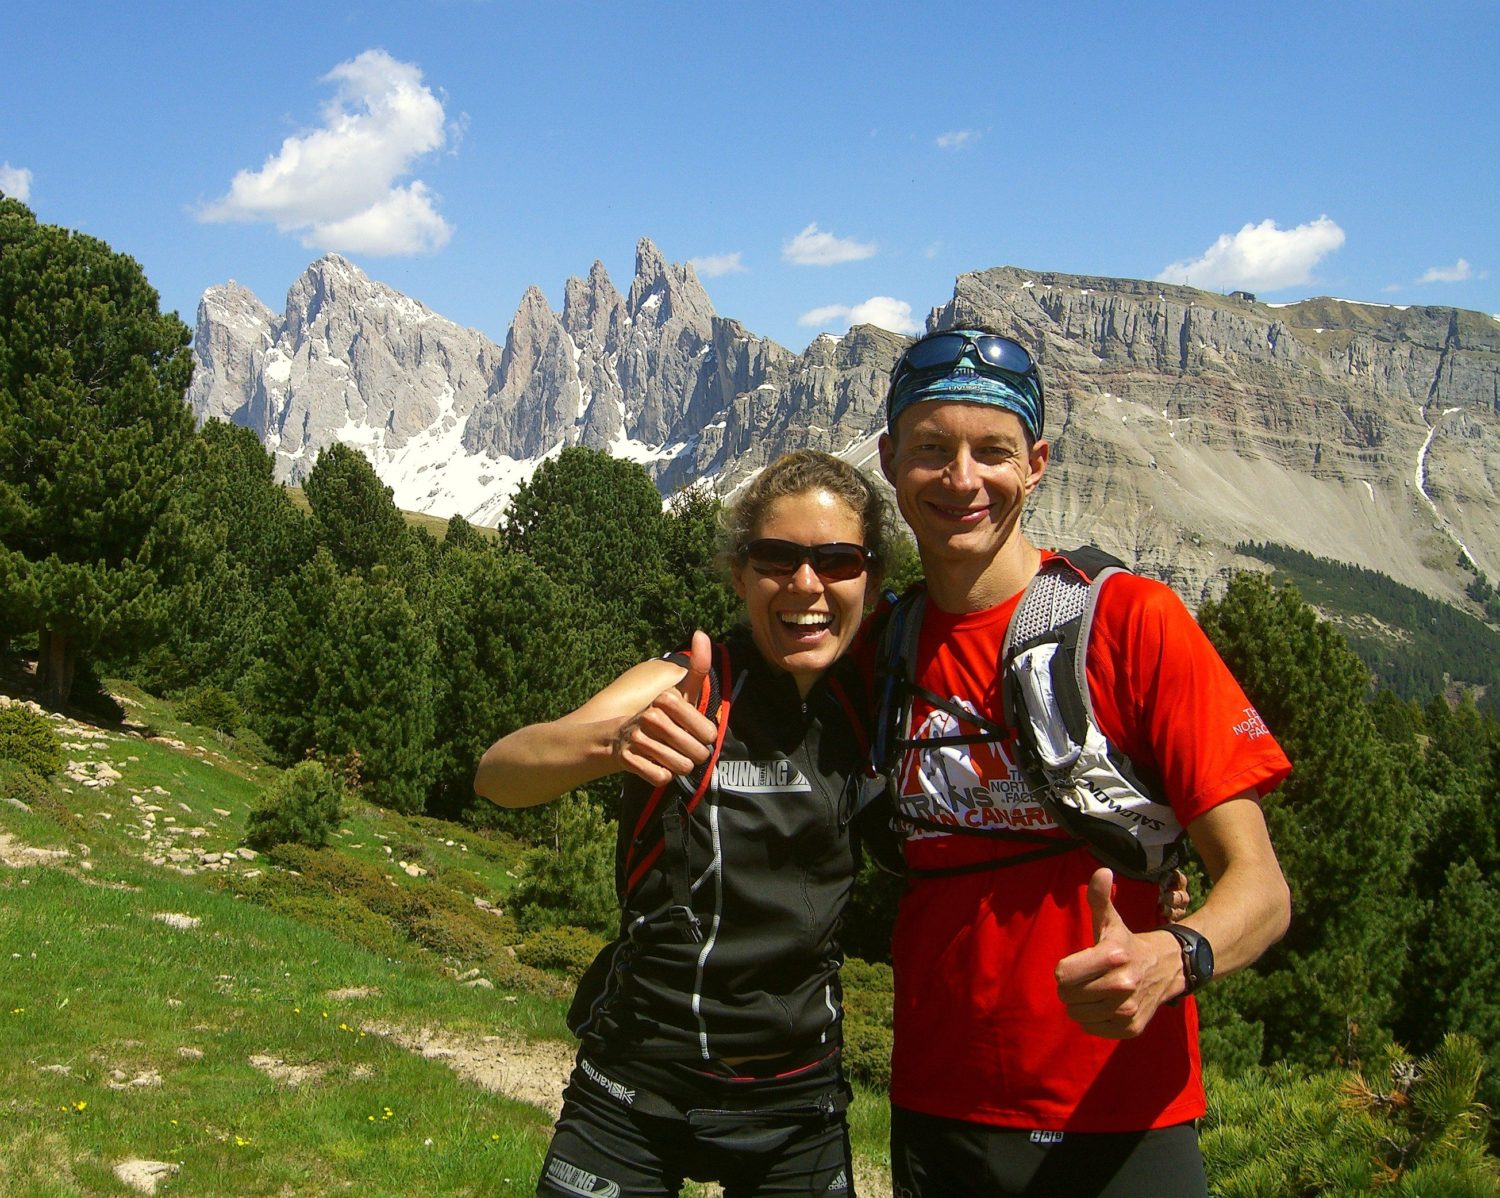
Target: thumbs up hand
{"x":1113,"y":987}
{"x":700,"y":661}
{"x":670,"y":735}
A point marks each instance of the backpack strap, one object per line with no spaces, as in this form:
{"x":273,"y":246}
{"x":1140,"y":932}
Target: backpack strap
{"x":1090,"y":788}
{"x":895,"y":671}
{"x":671,"y":810}
{"x":895,"y":657}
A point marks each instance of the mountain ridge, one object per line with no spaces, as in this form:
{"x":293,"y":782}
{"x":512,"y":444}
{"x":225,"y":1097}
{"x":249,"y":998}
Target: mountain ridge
{"x":1183,"y":422}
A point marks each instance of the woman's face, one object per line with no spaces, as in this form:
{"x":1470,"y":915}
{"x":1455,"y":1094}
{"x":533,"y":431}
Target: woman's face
{"x":803,"y":622}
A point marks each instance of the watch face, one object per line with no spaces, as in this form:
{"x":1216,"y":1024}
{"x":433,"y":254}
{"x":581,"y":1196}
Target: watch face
{"x":1203,"y":960}
{"x":1197,"y":957}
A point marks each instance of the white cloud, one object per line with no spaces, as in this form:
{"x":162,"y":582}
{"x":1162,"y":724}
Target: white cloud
{"x":956,"y":139}
{"x":1456,"y":273}
{"x":879,"y":310}
{"x":336,"y":187}
{"x":812,"y":248}
{"x":711,"y":266}
{"x":1259,"y":257}
{"x":401,"y":222}
{"x":15,"y":181}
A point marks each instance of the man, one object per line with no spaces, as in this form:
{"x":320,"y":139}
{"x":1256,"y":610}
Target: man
{"x":1041,"y":1047}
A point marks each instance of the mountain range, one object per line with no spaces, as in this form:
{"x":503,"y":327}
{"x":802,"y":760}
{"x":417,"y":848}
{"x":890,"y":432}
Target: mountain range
{"x":1183,"y":422}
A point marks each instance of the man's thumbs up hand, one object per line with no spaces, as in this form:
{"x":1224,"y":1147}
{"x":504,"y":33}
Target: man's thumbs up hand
{"x":1107,"y":922}
{"x":1113,"y":987}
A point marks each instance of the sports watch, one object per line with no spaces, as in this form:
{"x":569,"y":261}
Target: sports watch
{"x":1197,"y":957}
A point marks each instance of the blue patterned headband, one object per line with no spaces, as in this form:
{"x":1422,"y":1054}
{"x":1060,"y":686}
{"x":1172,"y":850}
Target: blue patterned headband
{"x":962,"y":366}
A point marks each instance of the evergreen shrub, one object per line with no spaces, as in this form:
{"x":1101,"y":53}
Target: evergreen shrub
{"x":566,"y":950}
{"x":466,"y":882}
{"x":346,"y":918}
{"x":22,"y":785}
{"x":28,"y":738}
{"x":428,"y":915}
{"x":869,"y":996}
{"x":867,"y":1054}
{"x":300,"y":807}
{"x":573,"y":883}
{"x":1405,"y":1129}
{"x":211,"y":707}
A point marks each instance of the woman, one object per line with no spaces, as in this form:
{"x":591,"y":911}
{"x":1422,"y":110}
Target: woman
{"x":710,"y":1027}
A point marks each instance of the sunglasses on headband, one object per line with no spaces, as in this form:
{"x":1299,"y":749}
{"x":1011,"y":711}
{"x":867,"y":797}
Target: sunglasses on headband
{"x":927,"y":365}
{"x":943,"y":350}
{"x":836,"y":561}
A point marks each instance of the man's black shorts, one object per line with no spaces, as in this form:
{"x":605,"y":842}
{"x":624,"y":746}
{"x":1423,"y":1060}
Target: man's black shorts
{"x":949,"y":1158}
{"x":636,"y":1131}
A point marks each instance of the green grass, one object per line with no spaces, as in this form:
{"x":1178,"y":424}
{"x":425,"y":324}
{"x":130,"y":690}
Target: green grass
{"x":123,"y":1036}
{"x":100,"y":998}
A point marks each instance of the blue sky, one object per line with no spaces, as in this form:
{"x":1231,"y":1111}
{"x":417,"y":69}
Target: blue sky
{"x":820,"y":162}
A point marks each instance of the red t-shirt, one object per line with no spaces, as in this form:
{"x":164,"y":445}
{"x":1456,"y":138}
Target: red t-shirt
{"x":980,"y":1033}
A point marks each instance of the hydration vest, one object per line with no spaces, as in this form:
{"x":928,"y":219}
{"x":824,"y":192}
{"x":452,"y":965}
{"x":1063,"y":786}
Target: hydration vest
{"x":1088,"y":787}
{"x":733,"y":880}
{"x":661,"y":829}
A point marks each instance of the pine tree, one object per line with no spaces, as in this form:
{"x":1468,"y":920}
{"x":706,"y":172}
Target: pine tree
{"x":512,"y":655}
{"x":594,"y":524}
{"x":93,"y":442}
{"x":354,"y":512}
{"x":1340,"y":825}
{"x":283,"y":682}
{"x":460,"y":534}
{"x":694,"y":586}
{"x":248,"y":536}
{"x":375,"y":668}
{"x":1453,"y":985}
{"x":1452,"y":981}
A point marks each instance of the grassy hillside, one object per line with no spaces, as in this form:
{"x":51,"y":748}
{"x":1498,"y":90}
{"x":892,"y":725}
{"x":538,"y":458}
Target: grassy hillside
{"x":229,"y":1025}
{"x":154,"y":1012}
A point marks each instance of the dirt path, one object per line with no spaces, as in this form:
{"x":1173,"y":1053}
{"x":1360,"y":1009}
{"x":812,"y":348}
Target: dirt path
{"x":530,"y":1071}
{"x":534,"y":1072}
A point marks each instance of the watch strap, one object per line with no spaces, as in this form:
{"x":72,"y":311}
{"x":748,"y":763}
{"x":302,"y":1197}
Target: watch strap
{"x":1189,"y":942}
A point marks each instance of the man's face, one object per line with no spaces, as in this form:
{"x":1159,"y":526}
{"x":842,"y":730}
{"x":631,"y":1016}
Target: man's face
{"x":962,"y":473}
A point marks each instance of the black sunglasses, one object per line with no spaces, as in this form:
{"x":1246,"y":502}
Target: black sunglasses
{"x":945,"y":349}
{"x":836,"y":561}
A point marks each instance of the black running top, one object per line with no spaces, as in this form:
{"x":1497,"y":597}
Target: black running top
{"x":770,"y":863}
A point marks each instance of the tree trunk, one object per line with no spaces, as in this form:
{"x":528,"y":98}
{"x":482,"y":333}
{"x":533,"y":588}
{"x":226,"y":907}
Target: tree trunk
{"x":56,"y":662}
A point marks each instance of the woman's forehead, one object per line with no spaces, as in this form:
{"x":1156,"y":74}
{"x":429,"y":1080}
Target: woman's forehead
{"x":817,"y":506}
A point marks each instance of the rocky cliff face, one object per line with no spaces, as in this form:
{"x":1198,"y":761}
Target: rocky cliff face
{"x":1182,"y":421}
{"x":349,"y":360}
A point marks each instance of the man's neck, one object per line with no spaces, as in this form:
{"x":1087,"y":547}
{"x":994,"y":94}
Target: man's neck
{"x":965,"y":584}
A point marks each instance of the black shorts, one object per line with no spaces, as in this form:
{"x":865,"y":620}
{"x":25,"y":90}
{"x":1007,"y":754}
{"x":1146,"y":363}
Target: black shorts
{"x":951,"y":1158}
{"x":637,"y":1131}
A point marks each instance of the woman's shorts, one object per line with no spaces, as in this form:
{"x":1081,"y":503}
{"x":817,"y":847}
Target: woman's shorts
{"x":638,"y":1130}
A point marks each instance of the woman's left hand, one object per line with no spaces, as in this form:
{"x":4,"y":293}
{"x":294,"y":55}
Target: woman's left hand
{"x":1174,"y":896}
